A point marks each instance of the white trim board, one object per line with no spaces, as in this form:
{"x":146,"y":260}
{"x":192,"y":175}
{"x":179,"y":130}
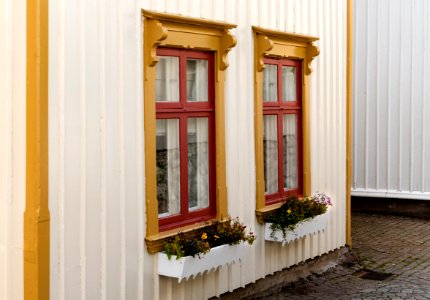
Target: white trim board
{"x":391,"y":194}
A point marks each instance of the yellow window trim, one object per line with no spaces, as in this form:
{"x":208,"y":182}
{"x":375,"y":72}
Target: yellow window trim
{"x":36,"y":214}
{"x":271,"y":43}
{"x":187,"y":33}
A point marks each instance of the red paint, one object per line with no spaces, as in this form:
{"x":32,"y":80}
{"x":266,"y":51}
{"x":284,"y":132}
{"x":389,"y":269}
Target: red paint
{"x":281,"y":108}
{"x":183,"y":110}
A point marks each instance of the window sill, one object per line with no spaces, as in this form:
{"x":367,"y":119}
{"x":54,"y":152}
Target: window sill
{"x":155,"y":243}
{"x":262,"y":212}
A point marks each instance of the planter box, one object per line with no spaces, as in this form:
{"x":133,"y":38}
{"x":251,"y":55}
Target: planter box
{"x":311,"y":226}
{"x":188,"y":266}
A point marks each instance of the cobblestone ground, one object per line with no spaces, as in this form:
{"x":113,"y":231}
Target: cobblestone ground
{"x":388,"y":244}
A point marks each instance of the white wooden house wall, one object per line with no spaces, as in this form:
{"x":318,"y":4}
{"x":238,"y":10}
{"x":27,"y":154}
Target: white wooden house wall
{"x":12,"y":146}
{"x":96,"y":171}
{"x":391,"y":99}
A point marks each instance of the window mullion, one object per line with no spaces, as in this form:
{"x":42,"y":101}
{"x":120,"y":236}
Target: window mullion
{"x":280,"y":153}
{"x":183,"y":143}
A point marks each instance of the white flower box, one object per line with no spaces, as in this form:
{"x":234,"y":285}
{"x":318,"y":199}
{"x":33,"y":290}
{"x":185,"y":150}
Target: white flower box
{"x":303,"y":228}
{"x":188,"y":266}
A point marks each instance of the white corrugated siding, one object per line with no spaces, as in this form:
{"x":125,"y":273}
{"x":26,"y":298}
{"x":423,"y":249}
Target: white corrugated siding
{"x":12,"y":146}
{"x":96,"y":143}
{"x":391,"y":92}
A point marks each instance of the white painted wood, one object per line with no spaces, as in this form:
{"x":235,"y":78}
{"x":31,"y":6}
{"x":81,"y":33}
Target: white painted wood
{"x":302,"y":229}
{"x":391,"y":135}
{"x":12,"y":146}
{"x":96,"y":144}
{"x":189,"y":266}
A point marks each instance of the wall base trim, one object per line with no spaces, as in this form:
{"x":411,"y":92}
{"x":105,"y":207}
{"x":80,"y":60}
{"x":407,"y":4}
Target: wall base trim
{"x":390,"y":194}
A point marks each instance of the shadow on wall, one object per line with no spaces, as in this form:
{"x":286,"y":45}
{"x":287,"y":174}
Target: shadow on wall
{"x":391,"y":206}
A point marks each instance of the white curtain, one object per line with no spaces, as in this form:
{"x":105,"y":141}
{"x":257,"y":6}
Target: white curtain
{"x":198,"y":163}
{"x":270,"y":153}
{"x":270,"y":83}
{"x":290,"y":152}
{"x":167,"y":79}
{"x":197,"y":80}
{"x":288,"y":83}
{"x":168,"y":166}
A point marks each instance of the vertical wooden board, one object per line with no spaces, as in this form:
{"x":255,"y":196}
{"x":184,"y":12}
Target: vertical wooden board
{"x":382,"y":97}
{"x":209,"y":285}
{"x":165,"y":291}
{"x":426,"y":95}
{"x":405,"y":101}
{"x":93,"y":159}
{"x":274,"y":257}
{"x":267,"y":267}
{"x":72,"y":157}
{"x":359,"y":95}
{"x":113,"y":172}
{"x":234,"y":274}
{"x":417,"y":122}
{"x":222,"y":280}
{"x":196,"y":287}
{"x":395,"y":83}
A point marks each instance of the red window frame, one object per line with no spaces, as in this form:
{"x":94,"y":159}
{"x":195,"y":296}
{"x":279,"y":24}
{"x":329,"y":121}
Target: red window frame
{"x":183,"y":110}
{"x":281,"y":108}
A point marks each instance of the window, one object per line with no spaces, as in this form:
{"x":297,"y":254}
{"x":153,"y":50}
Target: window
{"x":282,"y":116}
{"x":185,"y":132}
{"x":184,"y":123}
{"x":282,"y":129}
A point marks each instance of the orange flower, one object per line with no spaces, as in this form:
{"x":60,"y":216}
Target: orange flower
{"x":204,"y":236}
{"x":216,"y":237}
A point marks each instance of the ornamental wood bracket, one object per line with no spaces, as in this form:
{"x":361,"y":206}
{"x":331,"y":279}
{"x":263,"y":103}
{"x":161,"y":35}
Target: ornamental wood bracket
{"x":228,"y":41}
{"x":155,"y":33}
{"x":284,"y":45}
{"x":263,"y":45}
{"x":311,"y":52}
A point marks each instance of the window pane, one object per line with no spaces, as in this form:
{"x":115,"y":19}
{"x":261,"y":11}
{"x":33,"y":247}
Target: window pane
{"x":198,"y":163}
{"x":288,"y":83}
{"x":270,"y":83}
{"x":270,"y":142}
{"x":167,"y":79}
{"x":197,"y":80}
{"x":168,"y":167}
{"x":290,"y":152}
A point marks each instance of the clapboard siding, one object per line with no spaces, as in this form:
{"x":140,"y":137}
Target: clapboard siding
{"x":97,"y":176}
{"x":391,"y":135}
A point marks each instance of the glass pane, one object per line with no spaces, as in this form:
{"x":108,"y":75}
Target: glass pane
{"x":197,"y":80}
{"x":290,"y":152}
{"x":198,"y":163}
{"x":167,"y":79}
{"x":168,"y":167}
{"x":270,"y":83}
{"x":270,"y":142}
{"x":288,"y":83}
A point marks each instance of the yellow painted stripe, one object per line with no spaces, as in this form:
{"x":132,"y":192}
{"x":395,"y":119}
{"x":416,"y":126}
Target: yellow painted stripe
{"x":36,"y":215}
{"x":349,"y":120}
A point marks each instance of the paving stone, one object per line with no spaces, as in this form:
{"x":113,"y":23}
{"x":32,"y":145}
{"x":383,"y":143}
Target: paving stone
{"x":397,"y":245}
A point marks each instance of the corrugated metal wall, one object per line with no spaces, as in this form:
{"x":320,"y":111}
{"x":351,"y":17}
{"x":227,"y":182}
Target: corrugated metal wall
{"x":12,"y":146}
{"x":96,"y":143}
{"x":391,"y":92}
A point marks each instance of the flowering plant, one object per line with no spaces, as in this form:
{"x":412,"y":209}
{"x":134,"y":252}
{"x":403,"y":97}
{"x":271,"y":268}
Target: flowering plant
{"x":295,"y":210}
{"x":200,"y":241}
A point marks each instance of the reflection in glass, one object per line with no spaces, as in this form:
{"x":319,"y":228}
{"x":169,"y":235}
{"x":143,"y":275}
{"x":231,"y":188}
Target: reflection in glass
{"x":270,"y":83}
{"x":167,"y":79}
{"x":270,"y":142}
{"x":288,"y":83}
{"x":168,"y":166}
{"x":290,"y":152}
{"x":197,"y":80}
{"x":198,"y":163}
